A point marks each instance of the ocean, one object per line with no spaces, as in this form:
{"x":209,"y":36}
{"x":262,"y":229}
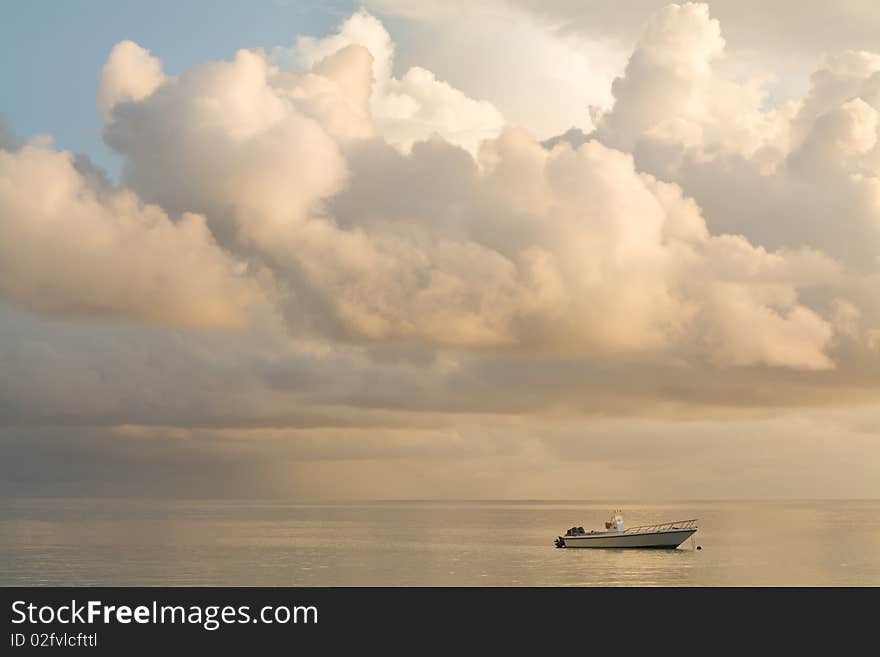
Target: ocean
{"x":131,"y":542}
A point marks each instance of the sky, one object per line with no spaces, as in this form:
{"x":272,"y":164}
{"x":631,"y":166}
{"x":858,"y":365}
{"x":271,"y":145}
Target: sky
{"x":324,"y":251}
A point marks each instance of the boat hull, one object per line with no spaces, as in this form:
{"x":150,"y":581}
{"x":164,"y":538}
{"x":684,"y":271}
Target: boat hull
{"x":670,"y":539}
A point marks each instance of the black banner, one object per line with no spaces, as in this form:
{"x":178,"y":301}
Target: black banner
{"x":125,"y":620}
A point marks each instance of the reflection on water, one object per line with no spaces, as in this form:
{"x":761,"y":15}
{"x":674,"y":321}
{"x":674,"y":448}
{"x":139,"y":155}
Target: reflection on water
{"x":152,"y":542}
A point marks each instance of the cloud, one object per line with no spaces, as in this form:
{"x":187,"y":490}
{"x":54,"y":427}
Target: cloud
{"x":804,"y":173}
{"x":670,"y":91}
{"x":131,"y":73}
{"x":539,"y":77}
{"x":523,"y":250}
{"x":625,"y":459}
{"x":225,"y":140}
{"x":409,"y":271}
{"x":779,"y":41}
{"x":406,"y":109}
{"x":68,"y":247}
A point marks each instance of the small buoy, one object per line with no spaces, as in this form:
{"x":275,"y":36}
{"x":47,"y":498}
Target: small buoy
{"x":699,"y":547}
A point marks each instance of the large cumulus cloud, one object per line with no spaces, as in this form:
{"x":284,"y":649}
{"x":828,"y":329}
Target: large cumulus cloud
{"x":804,"y":173}
{"x":402,"y":263}
{"x":519,"y":248}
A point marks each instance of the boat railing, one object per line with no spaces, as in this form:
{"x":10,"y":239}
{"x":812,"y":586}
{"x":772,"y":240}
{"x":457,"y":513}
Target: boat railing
{"x":665,"y":526}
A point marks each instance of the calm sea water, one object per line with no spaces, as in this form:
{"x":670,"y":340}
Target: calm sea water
{"x":152,"y":542}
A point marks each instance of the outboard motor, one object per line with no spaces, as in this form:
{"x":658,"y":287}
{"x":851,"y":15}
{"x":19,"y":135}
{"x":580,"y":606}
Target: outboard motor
{"x":559,"y":542}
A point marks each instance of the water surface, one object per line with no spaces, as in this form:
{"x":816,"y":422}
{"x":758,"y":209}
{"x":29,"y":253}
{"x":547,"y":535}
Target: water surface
{"x":122,"y":542}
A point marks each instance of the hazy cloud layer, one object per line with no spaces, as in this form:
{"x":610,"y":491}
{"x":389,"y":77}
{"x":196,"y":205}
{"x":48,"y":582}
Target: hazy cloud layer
{"x":623,"y":460}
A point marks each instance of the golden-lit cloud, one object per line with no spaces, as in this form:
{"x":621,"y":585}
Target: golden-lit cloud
{"x":407,"y":109}
{"x":521,"y":248}
{"x":70,"y":247}
{"x":407,"y":269}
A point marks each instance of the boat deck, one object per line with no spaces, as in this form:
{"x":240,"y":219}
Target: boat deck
{"x":662,"y":527}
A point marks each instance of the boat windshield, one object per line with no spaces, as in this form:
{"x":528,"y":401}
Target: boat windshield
{"x":616,"y":523}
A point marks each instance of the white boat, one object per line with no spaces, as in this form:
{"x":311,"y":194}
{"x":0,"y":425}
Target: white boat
{"x":667,"y":535}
